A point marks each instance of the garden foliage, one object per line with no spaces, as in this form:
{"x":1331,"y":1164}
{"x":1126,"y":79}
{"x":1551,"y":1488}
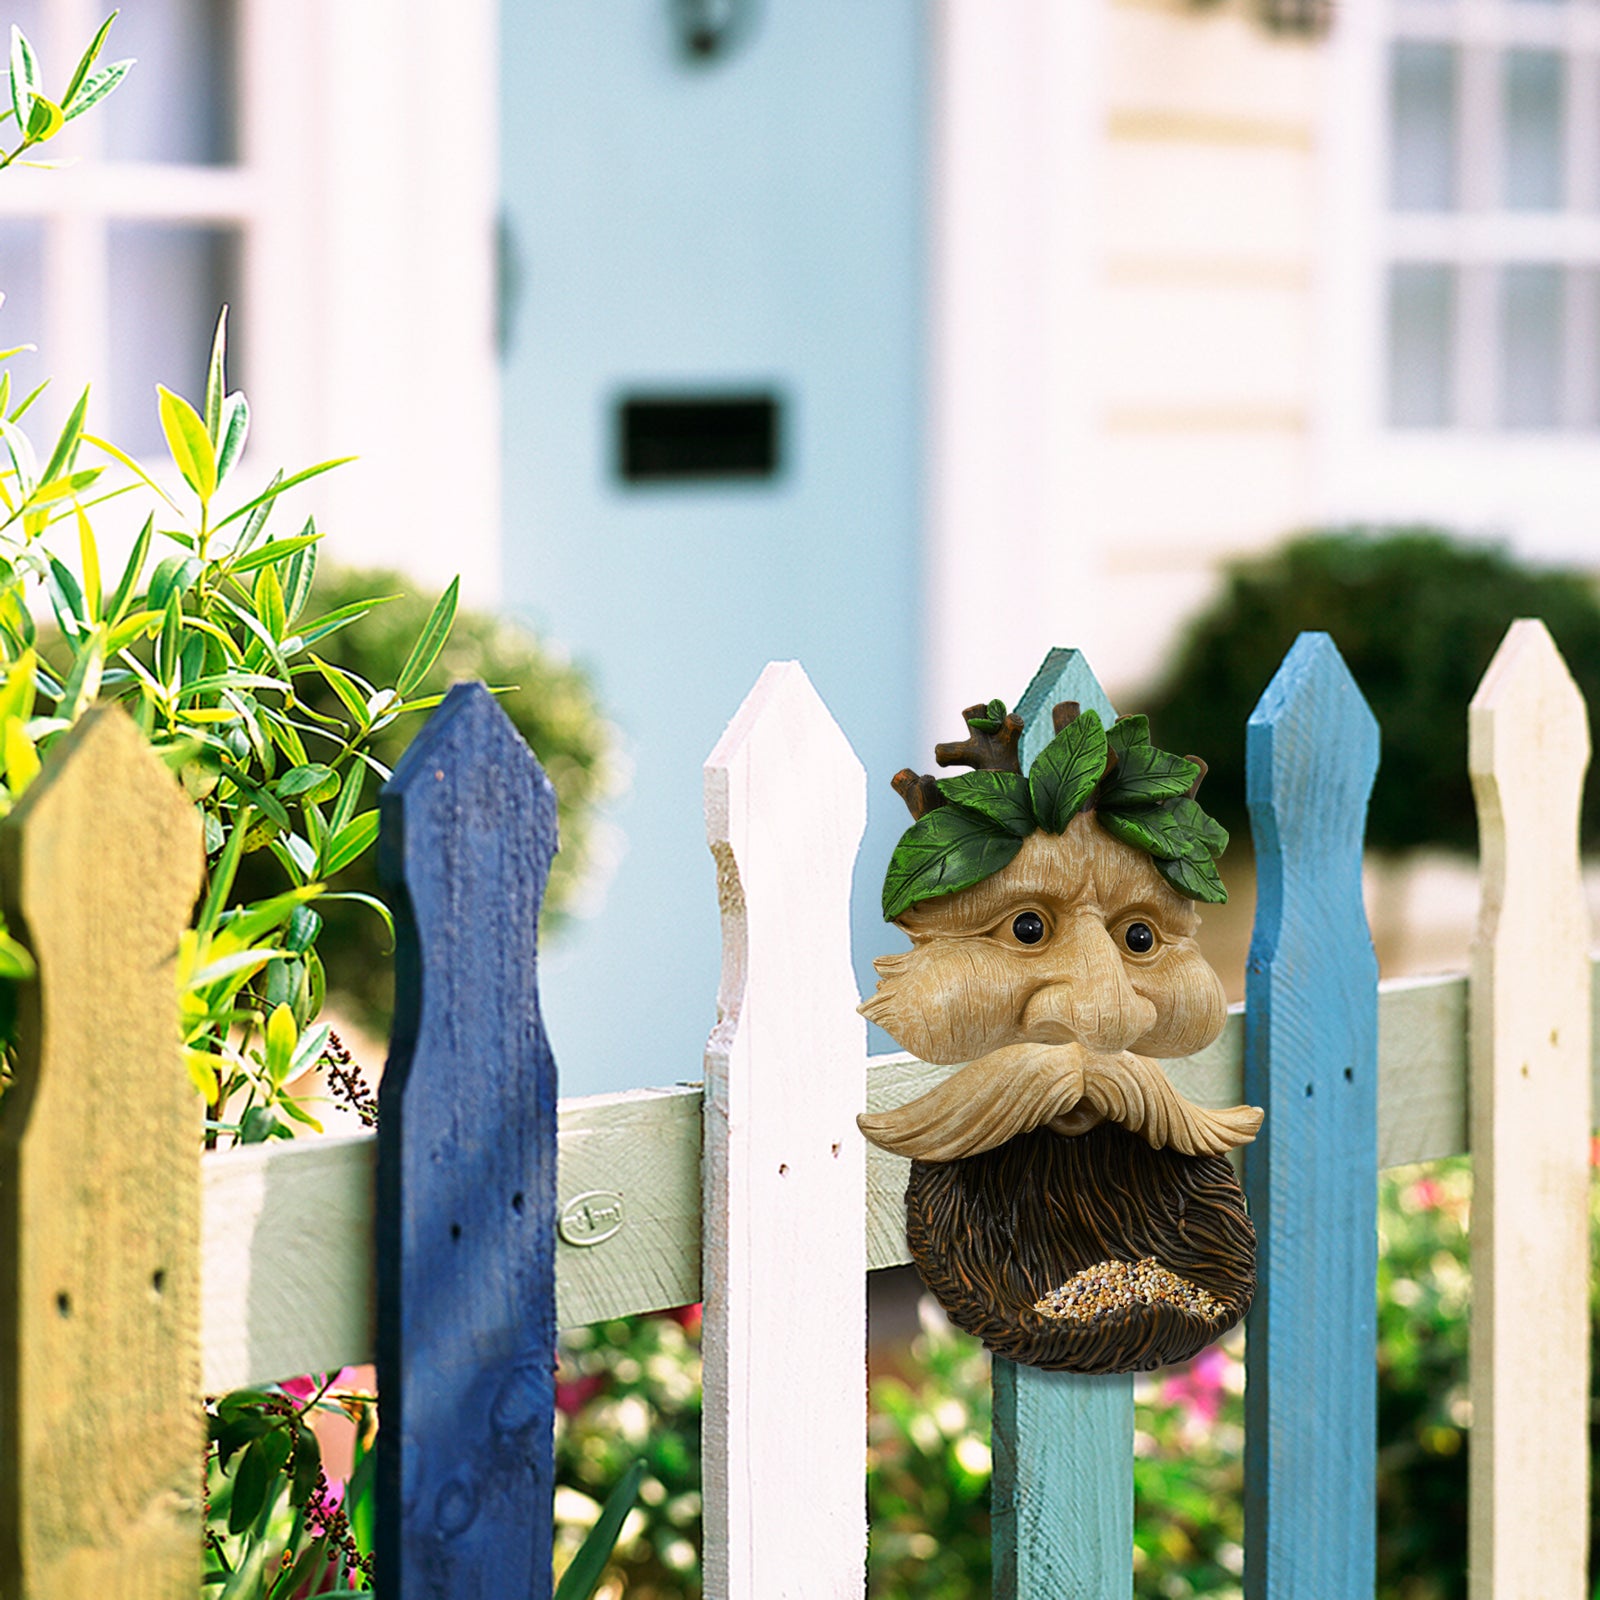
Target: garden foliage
{"x":1416,"y":614}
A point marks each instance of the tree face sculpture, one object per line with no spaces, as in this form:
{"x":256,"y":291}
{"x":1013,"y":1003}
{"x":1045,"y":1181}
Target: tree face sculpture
{"x":1053,"y":921}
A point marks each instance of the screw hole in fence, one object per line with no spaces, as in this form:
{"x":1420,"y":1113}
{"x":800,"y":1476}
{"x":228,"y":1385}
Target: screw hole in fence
{"x":1311,"y":1089}
{"x":783,"y":1169}
{"x":517,"y":1202}
{"x":1349,"y":1074}
{"x":455,"y":1230}
{"x":158,"y":1280}
{"x":836,"y":1152}
{"x":64,"y":1303}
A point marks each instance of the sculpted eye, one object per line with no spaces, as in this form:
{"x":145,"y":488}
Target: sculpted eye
{"x":1028,"y":928}
{"x":1139,"y":938}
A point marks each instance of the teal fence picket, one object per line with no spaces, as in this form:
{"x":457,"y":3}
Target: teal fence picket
{"x":1062,"y":1494}
{"x":1311,"y":1060}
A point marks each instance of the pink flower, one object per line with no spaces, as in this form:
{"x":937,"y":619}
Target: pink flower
{"x":1198,"y":1386}
{"x":1426,"y":1194}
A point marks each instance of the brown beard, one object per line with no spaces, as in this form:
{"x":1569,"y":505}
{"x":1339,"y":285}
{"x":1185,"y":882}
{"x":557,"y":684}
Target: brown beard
{"x":1066,"y":1088}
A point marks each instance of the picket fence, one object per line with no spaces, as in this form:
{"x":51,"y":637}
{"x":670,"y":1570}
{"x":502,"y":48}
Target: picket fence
{"x":135,"y":1276}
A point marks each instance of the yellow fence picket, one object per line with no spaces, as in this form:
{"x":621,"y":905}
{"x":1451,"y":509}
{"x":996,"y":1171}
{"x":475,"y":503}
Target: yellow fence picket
{"x":101,"y":1434}
{"x":1530,"y":1119}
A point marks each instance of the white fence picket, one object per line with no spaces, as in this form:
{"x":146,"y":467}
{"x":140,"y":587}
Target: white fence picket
{"x":784,"y":1430}
{"x":1530,"y":1115}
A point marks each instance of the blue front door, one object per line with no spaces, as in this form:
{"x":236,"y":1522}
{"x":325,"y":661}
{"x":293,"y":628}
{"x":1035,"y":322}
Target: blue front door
{"x":711,"y":409}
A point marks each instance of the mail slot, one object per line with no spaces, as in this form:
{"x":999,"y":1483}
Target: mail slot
{"x":677,"y":438}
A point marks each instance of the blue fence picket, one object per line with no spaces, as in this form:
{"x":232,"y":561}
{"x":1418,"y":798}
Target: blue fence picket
{"x":466,"y":1170}
{"x":1062,"y":1493}
{"x":1311,"y":1060}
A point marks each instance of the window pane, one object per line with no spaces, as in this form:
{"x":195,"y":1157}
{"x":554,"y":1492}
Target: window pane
{"x":1530,"y":346}
{"x":168,"y":281}
{"x":1422,"y":115}
{"x":1534,"y":119}
{"x":180,"y":103}
{"x":1422,"y":301}
{"x":22,"y":316}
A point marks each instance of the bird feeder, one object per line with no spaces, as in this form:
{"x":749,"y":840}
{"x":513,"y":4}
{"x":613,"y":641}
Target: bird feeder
{"x":1067,"y":1203}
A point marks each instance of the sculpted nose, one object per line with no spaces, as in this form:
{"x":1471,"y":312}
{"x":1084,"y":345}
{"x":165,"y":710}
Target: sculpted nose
{"x":1086,"y":995}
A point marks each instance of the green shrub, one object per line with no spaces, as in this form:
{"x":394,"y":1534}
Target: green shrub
{"x":1417,"y":615}
{"x":548,"y":699}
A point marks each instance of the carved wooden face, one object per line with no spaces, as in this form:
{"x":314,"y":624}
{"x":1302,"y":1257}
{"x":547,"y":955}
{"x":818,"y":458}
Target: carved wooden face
{"x":1078,"y":940}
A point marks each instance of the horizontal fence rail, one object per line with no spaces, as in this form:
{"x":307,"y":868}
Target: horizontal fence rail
{"x":287,"y":1274}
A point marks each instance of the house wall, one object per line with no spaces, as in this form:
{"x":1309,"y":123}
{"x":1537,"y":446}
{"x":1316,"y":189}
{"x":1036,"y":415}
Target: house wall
{"x":1125,"y":233}
{"x":1207,"y":282}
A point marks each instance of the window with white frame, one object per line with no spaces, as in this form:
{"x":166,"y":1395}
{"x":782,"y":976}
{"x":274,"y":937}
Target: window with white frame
{"x":1492,"y":225}
{"x":116,"y":265}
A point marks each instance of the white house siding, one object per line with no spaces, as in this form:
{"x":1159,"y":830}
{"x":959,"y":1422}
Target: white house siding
{"x":1207,"y":283}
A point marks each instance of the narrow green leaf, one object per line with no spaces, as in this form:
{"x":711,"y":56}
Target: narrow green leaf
{"x":89,"y":558}
{"x":274,"y":550}
{"x":945,"y":851}
{"x":124,"y":459}
{"x":588,"y":1567}
{"x":259,"y":1469}
{"x":131,"y":572}
{"x":312,"y":784}
{"x":66,"y":599}
{"x":88,"y":59}
{"x":174,"y":575}
{"x":216,"y":380}
{"x":189,"y":443}
{"x":282,"y":1036}
{"x":354,"y":700}
{"x":269,"y":602}
{"x":23,"y":461}
{"x":298,"y":573}
{"x":430,"y":641}
{"x":223,"y":873}
{"x":67,"y":440}
{"x":1066,"y":772}
{"x":280,"y":485}
{"x":349,"y":843}
{"x":1002,"y":797}
{"x":235,"y":430}
{"x":97,"y":86}
{"x":355,"y":780}
{"x":1147,"y":775}
{"x":83,"y":682}
{"x":170,"y":642}
{"x":28,"y":399}
{"x":24,"y":77}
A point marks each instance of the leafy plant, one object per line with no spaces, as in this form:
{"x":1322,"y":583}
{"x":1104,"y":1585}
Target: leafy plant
{"x":550,"y":702}
{"x":1417,"y":614}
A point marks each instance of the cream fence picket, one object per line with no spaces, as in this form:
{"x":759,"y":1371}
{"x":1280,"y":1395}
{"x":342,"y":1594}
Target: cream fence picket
{"x":286,"y":1252}
{"x":1531,"y":1116}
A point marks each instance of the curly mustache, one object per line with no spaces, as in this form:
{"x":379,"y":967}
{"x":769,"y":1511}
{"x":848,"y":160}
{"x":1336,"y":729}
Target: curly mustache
{"x":1067,"y":1088}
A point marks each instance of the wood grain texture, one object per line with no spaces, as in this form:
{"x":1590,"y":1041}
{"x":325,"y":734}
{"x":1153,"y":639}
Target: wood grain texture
{"x":1530,"y":1020}
{"x":1062,"y":1492}
{"x":100,"y":1420}
{"x":302,"y":1304}
{"x":466,"y":1170}
{"x":1311,"y":1060}
{"x":785,"y":1415}
{"x":283,"y":1290}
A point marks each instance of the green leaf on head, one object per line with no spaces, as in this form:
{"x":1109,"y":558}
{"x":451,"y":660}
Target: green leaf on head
{"x":1002,"y":797}
{"x":1066,"y":772}
{"x":1146,"y":776}
{"x":945,"y":851}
